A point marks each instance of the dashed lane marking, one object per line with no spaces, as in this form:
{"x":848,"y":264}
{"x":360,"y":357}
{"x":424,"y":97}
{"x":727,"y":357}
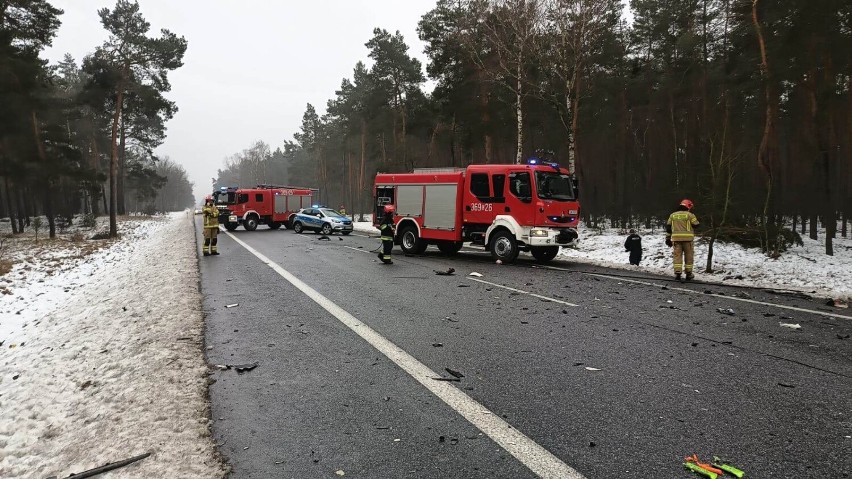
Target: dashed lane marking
{"x":734,"y":298}
{"x":522,"y":291}
{"x":538,"y":459}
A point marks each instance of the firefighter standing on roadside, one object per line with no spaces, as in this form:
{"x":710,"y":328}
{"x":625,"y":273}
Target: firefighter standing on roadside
{"x":633,"y":244}
{"x":387,"y":228}
{"x":680,"y":236}
{"x":342,"y":210}
{"x":211,"y":226}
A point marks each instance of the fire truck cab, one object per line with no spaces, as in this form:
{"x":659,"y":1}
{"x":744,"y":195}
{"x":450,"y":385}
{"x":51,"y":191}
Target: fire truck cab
{"x":266,"y":204}
{"x":504,"y":208}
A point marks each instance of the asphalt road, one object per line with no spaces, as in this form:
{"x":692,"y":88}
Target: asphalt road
{"x":604,"y":373}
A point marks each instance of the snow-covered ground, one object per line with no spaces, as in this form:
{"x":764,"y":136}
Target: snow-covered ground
{"x":101,"y":356}
{"x":802,"y":268}
{"x":101,"y":342}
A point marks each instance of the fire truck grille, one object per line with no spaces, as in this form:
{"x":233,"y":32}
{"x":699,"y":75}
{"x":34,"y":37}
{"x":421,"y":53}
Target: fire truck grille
{"x":560,"y":219}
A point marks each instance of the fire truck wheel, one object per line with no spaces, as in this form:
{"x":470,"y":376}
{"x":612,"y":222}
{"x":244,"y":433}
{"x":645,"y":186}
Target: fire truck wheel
{"x":410,"y":241}
{"x":326,"y":229}
{"x":450,"y":247}
{"x":297,"y":227}
{"x":250,"y":223}
{"x":504,"y":247}
{"x":231,"y":226}
{"x":274,"y":225}
{"x":544,"y":254}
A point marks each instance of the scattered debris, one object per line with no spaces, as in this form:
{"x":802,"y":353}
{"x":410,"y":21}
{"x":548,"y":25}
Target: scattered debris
{"x":768,"y":315}
{"x":339,"y":239}
{"x":728,"y":311}
{"x":456,"y":380}
{"x":323,"y":238}
{"x":845,"y":336}
{"x":232,"y":305}
{"x":239,"y":368}
{"x":695,"y":465}
{"x":454,"y":372}
{"x":448,"y":272}
{"x":464,"y":286}
{"x":474,"y":273}
{"x":109,"y":466}
{"x":592,"y":444}
{"x":498,"y":262}
{"x":588,"y":368}
{"x":721,"y":464}
{"x":837,"y":303}
{"x":785,"y":385}
{"x":790,"y":325}
{"x":437,"y":345}
{"x":340,"y":472}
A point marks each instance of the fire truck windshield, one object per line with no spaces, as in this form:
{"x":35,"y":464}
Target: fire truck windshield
{"x":224,"y":197}
{"x":554,"y":186}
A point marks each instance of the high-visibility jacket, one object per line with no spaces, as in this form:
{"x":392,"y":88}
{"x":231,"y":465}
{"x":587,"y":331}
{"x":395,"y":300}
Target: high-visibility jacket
{"x":211,"y":216}
{"x":680,"y":225}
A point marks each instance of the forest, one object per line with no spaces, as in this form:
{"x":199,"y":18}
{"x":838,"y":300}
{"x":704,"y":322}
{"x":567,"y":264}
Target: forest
{"x":79,"y":138}
{"x":743,"y":106}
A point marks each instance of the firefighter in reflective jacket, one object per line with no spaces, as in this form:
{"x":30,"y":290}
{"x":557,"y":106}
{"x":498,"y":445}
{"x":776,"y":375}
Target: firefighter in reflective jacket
{"x":386,"y":227}
{"x":211,"y":226}
{"x":680,"y":236}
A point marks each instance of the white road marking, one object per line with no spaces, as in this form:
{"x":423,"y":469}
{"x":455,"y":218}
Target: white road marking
{"x":521,"y":291}
{"x":538,"y":459}
{"x":745,"y":300}
{"x":360,"y":250}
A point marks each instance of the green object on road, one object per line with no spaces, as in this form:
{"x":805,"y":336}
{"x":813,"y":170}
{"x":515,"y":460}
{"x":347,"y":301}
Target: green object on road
{"x":738,"y":473}
{"x":697,"y":469}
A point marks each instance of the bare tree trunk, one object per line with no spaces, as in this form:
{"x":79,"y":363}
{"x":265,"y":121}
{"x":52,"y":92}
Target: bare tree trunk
{"x":113,"y":166}
{"x":575,"y":123}
{"x":362,"y":167}
{"x":519,"y":157}
{"x":764,"y":154}
{"x":122,"y":170}
{"x":813,"y":229}
{"x":12,"y":207}
{"x":48,"y":201}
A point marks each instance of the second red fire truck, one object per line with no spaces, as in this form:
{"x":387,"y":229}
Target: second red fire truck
{"x":504,"y":208}
{"x":266,"y":204}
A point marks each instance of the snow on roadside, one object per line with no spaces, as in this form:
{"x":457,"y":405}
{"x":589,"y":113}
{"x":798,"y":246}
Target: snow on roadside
{"x":113,"y":367}
{"x":802,"y":268}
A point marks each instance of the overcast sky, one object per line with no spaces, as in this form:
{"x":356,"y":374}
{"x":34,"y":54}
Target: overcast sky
{"x":251,"y":66}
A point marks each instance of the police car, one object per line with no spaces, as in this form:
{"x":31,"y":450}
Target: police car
{"x":321,"y":220}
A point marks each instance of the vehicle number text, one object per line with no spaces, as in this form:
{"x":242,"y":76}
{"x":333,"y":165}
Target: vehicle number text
{"x":480,"y":207}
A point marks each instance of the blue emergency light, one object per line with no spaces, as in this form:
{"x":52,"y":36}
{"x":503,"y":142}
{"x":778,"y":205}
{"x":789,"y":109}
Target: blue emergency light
{"x":538,"y":161}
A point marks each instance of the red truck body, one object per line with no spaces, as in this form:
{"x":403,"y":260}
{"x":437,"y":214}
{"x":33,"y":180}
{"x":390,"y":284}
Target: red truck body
{"x":266,"y":204}
{"x":504,"y":208}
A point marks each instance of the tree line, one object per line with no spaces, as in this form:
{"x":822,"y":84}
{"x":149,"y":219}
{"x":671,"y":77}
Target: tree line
{"x":80,"y":138}
{"x":741,"y":105}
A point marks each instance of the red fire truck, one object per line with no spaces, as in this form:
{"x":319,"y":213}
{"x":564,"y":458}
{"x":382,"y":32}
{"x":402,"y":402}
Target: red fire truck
{"x":504,"y":208}
{"x":266,"y":204}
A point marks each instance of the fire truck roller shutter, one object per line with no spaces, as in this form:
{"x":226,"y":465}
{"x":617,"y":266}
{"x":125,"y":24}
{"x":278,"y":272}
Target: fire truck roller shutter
{"x":280,"y":204}
{"x":409,"y":200}
{"x":440,"y":211}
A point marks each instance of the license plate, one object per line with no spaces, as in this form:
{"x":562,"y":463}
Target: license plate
{"x":232,"y":219}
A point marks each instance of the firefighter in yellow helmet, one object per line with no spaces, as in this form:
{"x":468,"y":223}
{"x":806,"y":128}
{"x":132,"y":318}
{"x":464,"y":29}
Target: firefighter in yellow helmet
{"x":680,"y":236}
{"x":211,"y":226}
